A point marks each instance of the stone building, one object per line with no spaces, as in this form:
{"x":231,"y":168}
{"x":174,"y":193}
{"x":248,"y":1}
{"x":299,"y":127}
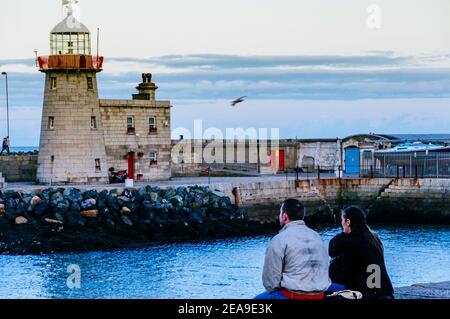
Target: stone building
{"x":82,"y":137}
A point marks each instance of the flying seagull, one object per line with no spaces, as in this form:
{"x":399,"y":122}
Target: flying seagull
{"x":239,"y":100}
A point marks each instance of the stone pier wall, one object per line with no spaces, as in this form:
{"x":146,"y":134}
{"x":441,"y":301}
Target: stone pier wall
{"x":322,"y":198}
{"x":19,"y":168}
{"x":408,"y":199}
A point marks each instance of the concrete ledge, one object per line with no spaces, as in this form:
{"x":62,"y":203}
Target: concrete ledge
{"x":424,"y":291}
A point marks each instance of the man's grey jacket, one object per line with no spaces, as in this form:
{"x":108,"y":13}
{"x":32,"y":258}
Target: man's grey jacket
{"x":296,"y":260}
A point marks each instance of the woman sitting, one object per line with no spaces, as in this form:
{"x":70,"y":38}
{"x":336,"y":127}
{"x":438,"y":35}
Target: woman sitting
{"x":358,"y":258}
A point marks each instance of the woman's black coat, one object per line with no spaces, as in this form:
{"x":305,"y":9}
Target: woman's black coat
{"x":352,"y":255}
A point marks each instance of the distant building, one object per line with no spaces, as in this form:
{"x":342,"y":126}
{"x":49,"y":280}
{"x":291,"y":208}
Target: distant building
{"x":82,"y":137}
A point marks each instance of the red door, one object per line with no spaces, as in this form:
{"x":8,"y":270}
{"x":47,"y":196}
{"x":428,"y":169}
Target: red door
{"x":131,"y":165}
{"x":281,"y":161}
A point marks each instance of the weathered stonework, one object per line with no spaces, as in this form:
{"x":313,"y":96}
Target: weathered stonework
{"x":120,"y":143}
{"x":69,"y":145}
{"x":18,"y":168}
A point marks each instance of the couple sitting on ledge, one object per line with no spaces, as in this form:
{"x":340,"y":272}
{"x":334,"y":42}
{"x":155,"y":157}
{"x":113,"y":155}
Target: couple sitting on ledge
{"x":297,"y":265}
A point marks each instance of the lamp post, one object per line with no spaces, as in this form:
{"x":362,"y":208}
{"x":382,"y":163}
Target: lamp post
{"x":7,"y":103}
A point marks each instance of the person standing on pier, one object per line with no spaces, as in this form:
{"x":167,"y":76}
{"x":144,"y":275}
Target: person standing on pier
{"x":5,"y":146}
{"x":358,"y":258}
{"x":296,"y":262}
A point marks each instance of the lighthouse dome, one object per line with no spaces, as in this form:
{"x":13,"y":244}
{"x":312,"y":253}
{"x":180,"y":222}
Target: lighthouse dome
{"x":70,"y":24}
{"x":70,"y":36}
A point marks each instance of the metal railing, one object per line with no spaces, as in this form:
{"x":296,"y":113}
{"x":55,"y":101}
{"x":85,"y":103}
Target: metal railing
{"x":409,"y":165}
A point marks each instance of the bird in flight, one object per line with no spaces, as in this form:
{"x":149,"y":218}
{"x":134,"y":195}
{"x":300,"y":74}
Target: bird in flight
{"x":239,"y":100}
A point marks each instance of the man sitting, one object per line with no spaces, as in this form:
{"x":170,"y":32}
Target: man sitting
{"x":296,"y":263}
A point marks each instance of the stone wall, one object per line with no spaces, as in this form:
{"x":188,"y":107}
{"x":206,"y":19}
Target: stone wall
{"x":407,"y":199}
{"x":322,"y":198}
{"x":18,"y":168}
{"x":119,"y":142}
{"x":326,"y":153}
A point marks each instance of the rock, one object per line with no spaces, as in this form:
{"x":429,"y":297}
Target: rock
{"x":89,"y":213}
{"x":154,"y":196}
{"x":2,"y":209}
{"x":73,"y":194}
{"x":35,"y":200}
{"x":75,"y":207}
{"x":42,"y":208}
{"x":123,"y":199}
{"x":128,"y":193}
{"x":74,"y":219}
{"x":11,"y":203}
{"x":218,"y":193}
{"x":10,"y":214}
{"x":89,"y":204}
{"x":90,"y":194}
{"x":56,"y":197}
{"x":196,"y":216}
{"x":60,"y":217}
{"x":52,"y":221}
{"x":21,"y":220}
{"x":176,"y":200}
{"x":63,"y":206}
{"x":126,"y":220}
{"x":46,"y":194}
{"x":125,"y":211}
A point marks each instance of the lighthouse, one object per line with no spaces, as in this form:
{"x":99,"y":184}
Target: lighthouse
{"x":72,"y":148}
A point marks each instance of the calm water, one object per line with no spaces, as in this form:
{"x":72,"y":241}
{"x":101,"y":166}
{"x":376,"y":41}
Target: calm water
{"x":212,"y":269}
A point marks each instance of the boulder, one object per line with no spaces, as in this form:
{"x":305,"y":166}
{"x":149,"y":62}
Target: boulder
{"x":90,"y":194}
{"x":154,"y":196}
{"x":126,"y":220}
{"x":73,"y":194}
{"x":35,"y":200}
{"x":56,"y":197}
{"x":52,"y":221}
{"x":148,"y":206}
{"x":123,"y":199}
{"x":63,"y":206}
{"x":42,"y":208}
{"x":21,"y":220}
{"x":75,"y":207}
{"x":89,"y":213}
{"x":176,"y":200}
{"x":10,"y":214}
{"x":60,"y":217}
{"x":74,"y":219}
{"x":125,"y":211}
{"x":89,"y":204}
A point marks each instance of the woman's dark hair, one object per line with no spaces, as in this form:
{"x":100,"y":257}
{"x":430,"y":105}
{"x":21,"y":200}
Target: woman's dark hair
{"x":359,"y":226}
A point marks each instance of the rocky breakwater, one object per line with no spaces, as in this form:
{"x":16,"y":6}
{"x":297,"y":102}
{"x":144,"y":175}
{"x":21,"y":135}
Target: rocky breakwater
{"x":67,"y":219}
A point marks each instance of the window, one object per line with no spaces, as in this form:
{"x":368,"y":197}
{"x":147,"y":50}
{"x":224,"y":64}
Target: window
{"x":51,"y":123}
{"x":153,"y":156}
{"x":90,"y":83}
{"x":98,"y":168}
{"x":93,"y":123}
{"x":53,"y":83}
{"x":70,"y":44}
{"x":152,"y":125}
{"x":130,"y":125}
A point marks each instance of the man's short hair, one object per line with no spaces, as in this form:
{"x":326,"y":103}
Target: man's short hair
{"x":294,"y":209}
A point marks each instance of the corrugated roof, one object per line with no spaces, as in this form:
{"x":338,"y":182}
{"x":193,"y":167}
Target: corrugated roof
{"x":70,"y":24}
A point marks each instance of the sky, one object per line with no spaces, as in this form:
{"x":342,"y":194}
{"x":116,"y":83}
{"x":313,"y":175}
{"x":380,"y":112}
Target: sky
{"x":310,"y":68}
